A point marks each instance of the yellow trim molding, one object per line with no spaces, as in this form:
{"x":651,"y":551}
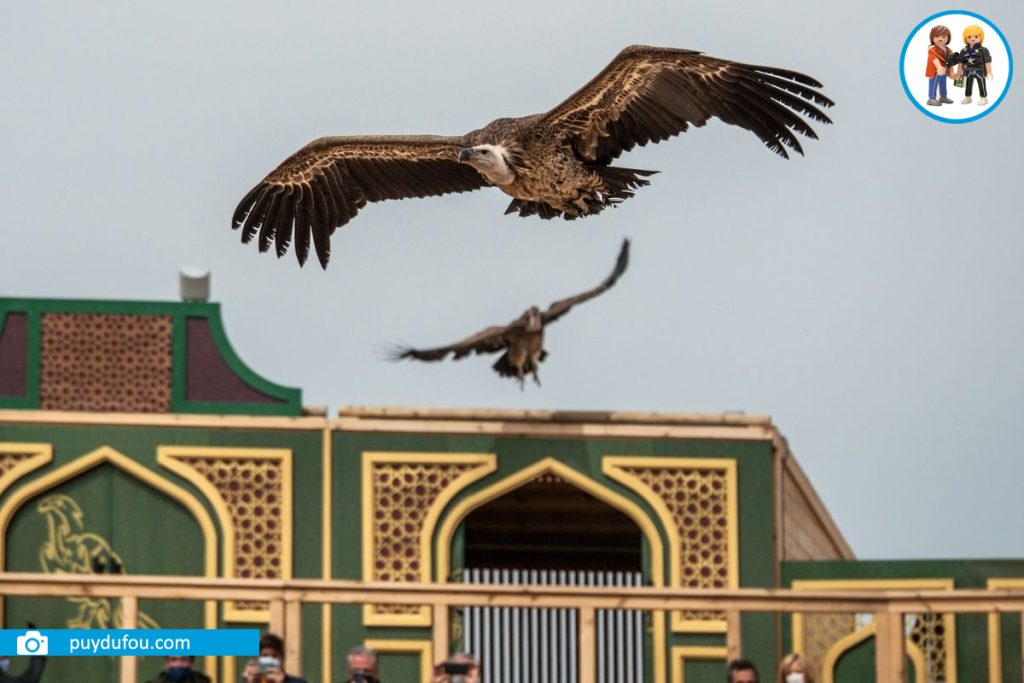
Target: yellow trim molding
{"x":484,"y":464}
{"x":615,"y":466}
{"x":681,"y":653}
{"x":163,"y":420}
{"x":850,"y":640}
{"x":420,"y":647}
{"x":39,"y":454}
{"x":107,"y":455}
{"x":995,"y":631}
{"x":327,"y":548}
{"x":175,"y":459}
{"x":551,"y":466}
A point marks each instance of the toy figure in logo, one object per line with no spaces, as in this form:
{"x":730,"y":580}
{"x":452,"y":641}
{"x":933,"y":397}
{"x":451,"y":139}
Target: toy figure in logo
{"x":975,"y":63}
{"x":935,"y":71}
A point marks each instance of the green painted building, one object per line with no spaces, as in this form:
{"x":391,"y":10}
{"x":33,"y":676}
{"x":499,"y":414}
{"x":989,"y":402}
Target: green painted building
{"x":133,"y":440}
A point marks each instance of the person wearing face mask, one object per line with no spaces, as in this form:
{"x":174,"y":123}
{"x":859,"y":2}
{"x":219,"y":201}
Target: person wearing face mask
{"x":794,"y":669}
{"x":178,"y":669}
{"x":29,"y":675}
{"x":269,"y":668}
{"x":462,"y":668}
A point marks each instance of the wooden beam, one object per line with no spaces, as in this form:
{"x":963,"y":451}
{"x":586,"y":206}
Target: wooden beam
{"x":276,"y":592}
{"x":129,"y":619}
{"x":277,"y":616}
{"x":733,"y":636}
{"x":293,"y":636}
{"x":890,"y":652}
{"x":442,"y":632}
{"x":588,"y":645}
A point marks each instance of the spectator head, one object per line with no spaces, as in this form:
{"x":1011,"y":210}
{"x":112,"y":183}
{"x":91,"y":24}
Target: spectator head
{"x":471,"y":676}
{"x":178,"y":667}
{"x":272,"y":645}
{"x":362,"y":660}
{"x":793,"y":669}
{"x":742,"y":671}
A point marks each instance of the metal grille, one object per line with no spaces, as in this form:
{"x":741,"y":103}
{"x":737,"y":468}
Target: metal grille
{"x":528,"y":645}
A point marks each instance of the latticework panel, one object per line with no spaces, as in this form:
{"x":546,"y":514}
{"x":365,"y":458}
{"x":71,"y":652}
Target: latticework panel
{"x":402,"y":494}
{"x":821,"y":632}
{"x":698,"y":501}
{"x":10,"y":460}
{"x":928,"y":633}
{"x":100,"y":362}
{"x":253,"y":490}
{"x":18,"y":459}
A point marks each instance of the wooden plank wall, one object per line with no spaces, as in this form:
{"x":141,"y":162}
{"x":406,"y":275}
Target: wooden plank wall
{"x":808,"y":532}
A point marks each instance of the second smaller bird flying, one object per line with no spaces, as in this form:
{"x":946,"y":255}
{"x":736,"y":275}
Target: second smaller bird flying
{"x":522,"y":340}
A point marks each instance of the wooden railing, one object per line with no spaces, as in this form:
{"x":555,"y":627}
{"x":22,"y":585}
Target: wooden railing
{"x":287,"y":597}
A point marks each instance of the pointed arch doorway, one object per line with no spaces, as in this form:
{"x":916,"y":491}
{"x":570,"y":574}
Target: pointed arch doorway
{"x":550,"y":530}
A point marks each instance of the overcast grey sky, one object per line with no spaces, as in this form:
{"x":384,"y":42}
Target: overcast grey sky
{"x":866,"y":296}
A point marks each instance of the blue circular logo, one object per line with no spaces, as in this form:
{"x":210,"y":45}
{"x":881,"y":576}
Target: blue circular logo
{"x":979,"y":61}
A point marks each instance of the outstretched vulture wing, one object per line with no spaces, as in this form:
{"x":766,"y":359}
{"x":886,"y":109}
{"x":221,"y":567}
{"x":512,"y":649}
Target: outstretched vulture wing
{"x":649,"y":94}
{"x":322,"y":186}
{"x":560,"y":308}
{"x":490,"y":340}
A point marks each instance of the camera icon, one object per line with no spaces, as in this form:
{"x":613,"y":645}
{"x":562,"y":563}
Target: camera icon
{"x":32,"y":643}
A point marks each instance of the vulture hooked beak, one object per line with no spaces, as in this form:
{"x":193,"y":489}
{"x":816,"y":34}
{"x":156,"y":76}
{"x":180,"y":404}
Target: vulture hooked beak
{"x":465,"y":154}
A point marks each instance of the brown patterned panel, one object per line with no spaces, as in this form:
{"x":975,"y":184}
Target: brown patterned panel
{"x":8,"y":461}
{"x":928,"y":632}
{"x":821,"y":632}
{"x":402,"y":495}
{"x":99,"y":362}
{"x":698,"y":500}
{"x":253,"y":490}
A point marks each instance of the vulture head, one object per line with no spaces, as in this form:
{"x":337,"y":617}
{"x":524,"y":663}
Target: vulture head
{"x":490,"y":161}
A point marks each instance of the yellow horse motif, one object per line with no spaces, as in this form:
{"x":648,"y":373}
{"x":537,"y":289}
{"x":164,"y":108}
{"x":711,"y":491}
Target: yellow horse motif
{"x":69,"y":549}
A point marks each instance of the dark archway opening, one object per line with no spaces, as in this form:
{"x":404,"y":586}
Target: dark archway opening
{"x":549,"y":524}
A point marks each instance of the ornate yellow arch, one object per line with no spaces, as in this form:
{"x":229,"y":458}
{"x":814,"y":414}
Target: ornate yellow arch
{"x":107,"y":455}
{"x":551,"y":466}
{"x":451,"y":473}
{"x":181,"y":460}
{"x":18,"y":459}
{"x":851,"y":639}
{"x":847,"y":643}
{"x":625,"y":469}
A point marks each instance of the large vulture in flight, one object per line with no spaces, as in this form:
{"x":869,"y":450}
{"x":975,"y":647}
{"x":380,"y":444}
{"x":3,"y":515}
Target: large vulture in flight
{"x":522,"y":340}
{"x":552,"y":164}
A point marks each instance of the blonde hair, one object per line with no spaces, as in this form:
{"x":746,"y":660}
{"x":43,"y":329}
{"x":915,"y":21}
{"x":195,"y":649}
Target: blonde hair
{"x":791,"y":659}
{"x":974,"y":30}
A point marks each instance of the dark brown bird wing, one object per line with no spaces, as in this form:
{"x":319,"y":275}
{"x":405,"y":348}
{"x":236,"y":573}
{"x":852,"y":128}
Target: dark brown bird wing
{"x":560,"y":308}
{"x":322,"y":186}
{"x":649,"y":94}
{"x":490,"y":340}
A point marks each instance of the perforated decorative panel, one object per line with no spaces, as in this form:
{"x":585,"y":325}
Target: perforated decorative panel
{"x":824,"y":638}
{"x":928,"y":633}
{"x":100,"y":362}
{"x":696,"y":499}
{"x":821,"y":632}
{"x":251,"y":490}
{"x":400,"y":490}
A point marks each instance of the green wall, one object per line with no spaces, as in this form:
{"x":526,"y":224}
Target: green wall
{"x":153,"y":534}
{"x":971,"y":630}
{"x":754,"y":460}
